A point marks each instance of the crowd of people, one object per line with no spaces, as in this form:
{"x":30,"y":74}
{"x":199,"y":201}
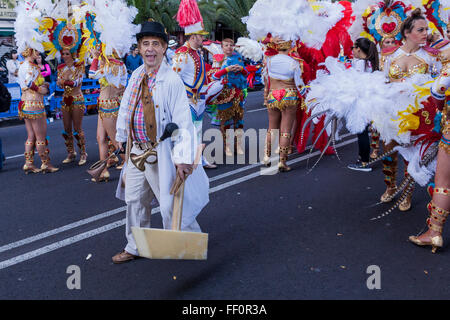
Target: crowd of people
{"x":314,"y":76}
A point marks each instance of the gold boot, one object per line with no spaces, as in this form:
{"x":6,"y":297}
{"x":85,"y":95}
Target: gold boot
{"x":29,"y":163}
{"x":68,"y":141}
{"x":81,"y":142}
{"x":282,"y":166}
{"x":435,"y":224}
{"x":284,"y":148}
{"x":29,"y":158}
{"x":267,"y":149}
{"x":103,"y":177}
{"x":390,"y":175}
{"x":44,"y":152}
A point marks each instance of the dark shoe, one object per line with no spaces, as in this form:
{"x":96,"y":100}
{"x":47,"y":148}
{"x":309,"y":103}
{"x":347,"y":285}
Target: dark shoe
{"x":123,"y":257}
{"x":359,"y":166}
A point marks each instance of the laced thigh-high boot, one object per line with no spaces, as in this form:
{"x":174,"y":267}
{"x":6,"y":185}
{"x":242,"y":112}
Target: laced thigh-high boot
{"x":81,"y":143}
{"x":390,"y":174}
{"x":44,"y":152}
{"x":406,"y":204}
{"x":435,"y":223}
{"x":285,"y":144}
{"x":375,"y":144}
{"x":68,"y":141}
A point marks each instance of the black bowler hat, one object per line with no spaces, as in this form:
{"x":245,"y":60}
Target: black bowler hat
{"x":153,"y":28}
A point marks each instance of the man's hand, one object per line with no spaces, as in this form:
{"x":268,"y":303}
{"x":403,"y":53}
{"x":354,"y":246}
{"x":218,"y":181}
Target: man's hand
{"x":184,"y":170}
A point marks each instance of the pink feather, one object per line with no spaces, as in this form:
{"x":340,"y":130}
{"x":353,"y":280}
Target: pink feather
{"x":188,"y":13}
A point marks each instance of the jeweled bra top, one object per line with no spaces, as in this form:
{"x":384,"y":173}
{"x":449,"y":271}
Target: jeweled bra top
{"x":395,"y":72}
{"x":423,"y":65}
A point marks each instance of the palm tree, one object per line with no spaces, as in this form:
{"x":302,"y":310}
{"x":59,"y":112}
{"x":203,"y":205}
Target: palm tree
{"x":162,"y":11}
{"x":208,"y":9}
{"x":230,"y":13}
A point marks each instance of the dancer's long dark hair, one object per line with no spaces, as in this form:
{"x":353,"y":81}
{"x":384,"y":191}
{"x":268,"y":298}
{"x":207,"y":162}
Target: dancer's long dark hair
{"x":370,"y":49}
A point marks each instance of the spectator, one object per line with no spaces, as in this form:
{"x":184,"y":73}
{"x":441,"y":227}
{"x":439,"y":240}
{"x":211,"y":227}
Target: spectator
{"x":44,"y":67}
{"x":171,"y":50}
{"x":5,"y":101}
{"x":13,"y":67}
{"x":133,"y":61}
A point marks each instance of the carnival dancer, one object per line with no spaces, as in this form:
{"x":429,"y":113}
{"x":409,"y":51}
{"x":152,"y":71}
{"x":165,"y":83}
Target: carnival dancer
{"x":155,"y":96}
{"x":32,"y":109}
{"x":321,"y":33}
{"x":63,"y":28}
{"x":283,"y":93}
{"x":188,"y":62}
{"x":399,"y":64}
{"x":33,"y":86}
{"x":70,"y":78}
{"x":405,"y":67}
{"x":439,"y":207}
{"x":230,"y":102}
{"x":111,"y":34}
{"x":365,"y":59}
{"x":112,"y":76}
{"x":386,"y":42}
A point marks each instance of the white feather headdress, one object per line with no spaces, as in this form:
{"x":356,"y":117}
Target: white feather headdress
{"x":114,"y":23}
{"x":26,"y":26}
{"x":308,"y":21}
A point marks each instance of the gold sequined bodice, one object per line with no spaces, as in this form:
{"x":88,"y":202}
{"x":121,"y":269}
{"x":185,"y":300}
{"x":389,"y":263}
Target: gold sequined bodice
{"x":397,"y":73}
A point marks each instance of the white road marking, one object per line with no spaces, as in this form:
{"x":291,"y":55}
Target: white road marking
{"x":12,"y":157}
{"x":116,"y":211}
{"x":59,"y":244}
{"x":256,"y":110}
{"x":68,"y":241}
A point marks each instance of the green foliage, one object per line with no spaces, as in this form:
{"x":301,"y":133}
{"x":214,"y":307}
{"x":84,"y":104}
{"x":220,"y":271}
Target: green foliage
{"x":227,"y":12}
{"x":163,"y":11}
{"x":230,"y":13}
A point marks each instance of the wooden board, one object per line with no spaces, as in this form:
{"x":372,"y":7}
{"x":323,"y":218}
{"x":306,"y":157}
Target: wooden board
{"x":169,"y":244}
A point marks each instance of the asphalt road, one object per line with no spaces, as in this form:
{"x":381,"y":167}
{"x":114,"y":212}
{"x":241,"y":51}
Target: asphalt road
{"x":290,"y":236}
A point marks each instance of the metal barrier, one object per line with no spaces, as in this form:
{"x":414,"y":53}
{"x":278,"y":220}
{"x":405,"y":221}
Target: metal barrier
{"x":54,"y":97}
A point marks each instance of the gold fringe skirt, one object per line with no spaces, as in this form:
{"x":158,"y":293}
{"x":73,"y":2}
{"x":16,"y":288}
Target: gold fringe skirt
{"x":283,"y":98}
{"x":69,"y":103}
{"x":108,"y":108}
{"x":236,"y":111}
{"x":32,"y":110}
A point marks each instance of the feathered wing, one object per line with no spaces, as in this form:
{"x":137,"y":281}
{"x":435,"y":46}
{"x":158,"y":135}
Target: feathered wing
{"x":114,"y":23}
{"x":362,"y":98}
{"x":250,"y":49}
{"x":308,"y":21}
{"x":26,"y":26}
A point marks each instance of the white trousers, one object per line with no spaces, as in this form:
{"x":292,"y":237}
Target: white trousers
{"x":140,"y":189}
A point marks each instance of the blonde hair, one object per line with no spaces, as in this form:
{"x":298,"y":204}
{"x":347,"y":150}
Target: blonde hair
{"x":27,"y":52}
